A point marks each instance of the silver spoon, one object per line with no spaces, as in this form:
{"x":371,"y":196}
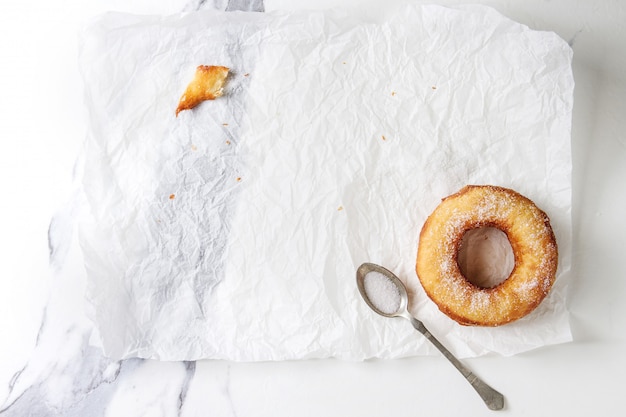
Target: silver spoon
{"x":492,"y":398}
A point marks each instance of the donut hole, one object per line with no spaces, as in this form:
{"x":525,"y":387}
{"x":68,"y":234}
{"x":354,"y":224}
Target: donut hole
{"x":485,"y":256}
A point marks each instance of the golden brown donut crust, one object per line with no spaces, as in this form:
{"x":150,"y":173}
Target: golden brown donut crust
{"x":532,"y":240}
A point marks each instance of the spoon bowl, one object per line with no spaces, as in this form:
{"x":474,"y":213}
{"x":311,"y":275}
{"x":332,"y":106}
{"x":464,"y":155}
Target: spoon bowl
{"x":365,"y":269}
{"x":492,"y":398}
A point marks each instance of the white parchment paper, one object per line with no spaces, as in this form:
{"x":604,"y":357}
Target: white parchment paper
{"x":234,"y":231}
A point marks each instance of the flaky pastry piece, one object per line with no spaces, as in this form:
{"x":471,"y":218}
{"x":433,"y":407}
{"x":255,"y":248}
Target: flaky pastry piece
{"x":207,"y":84}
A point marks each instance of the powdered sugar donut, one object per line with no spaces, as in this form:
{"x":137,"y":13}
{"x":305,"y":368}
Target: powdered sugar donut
{"x":532,"y":241}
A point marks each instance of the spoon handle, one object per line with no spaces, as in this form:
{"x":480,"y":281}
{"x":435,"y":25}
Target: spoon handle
{"x":492,"y":398}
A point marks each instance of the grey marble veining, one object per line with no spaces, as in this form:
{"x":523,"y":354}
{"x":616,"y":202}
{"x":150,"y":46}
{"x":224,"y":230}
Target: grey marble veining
{"x":226,"y":5}
{"x":67,"y":376}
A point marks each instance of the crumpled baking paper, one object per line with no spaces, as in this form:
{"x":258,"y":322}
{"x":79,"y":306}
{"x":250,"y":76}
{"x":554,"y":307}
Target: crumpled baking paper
{"x":234,"y":230}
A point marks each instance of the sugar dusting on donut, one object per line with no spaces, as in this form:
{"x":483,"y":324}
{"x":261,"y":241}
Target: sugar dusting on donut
{"x":532,"y":240}
{"x":479,"y":300}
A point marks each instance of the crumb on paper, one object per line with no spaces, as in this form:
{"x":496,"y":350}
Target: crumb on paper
{"x":224,"y":124}
{"x":339,"y":208}
{"x":383,"y":137}
{"x":393,"y":93}
{"x":238,"y":179}
{"x":172,"y":196}
{"x":344,"y":62}
{"x":194,"y":148}
{"x":207,"y":84}
{"x":433,"y":87}
{"x":246,"y":74}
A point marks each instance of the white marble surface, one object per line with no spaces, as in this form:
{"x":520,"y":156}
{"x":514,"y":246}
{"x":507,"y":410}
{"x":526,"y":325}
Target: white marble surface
{"x":47,"y":367}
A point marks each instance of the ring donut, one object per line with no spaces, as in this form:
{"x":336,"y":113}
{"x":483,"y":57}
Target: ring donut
{"x":532,"y":241}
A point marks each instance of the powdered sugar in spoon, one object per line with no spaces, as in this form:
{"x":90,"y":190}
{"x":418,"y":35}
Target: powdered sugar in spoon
{"x":386,"y":295}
